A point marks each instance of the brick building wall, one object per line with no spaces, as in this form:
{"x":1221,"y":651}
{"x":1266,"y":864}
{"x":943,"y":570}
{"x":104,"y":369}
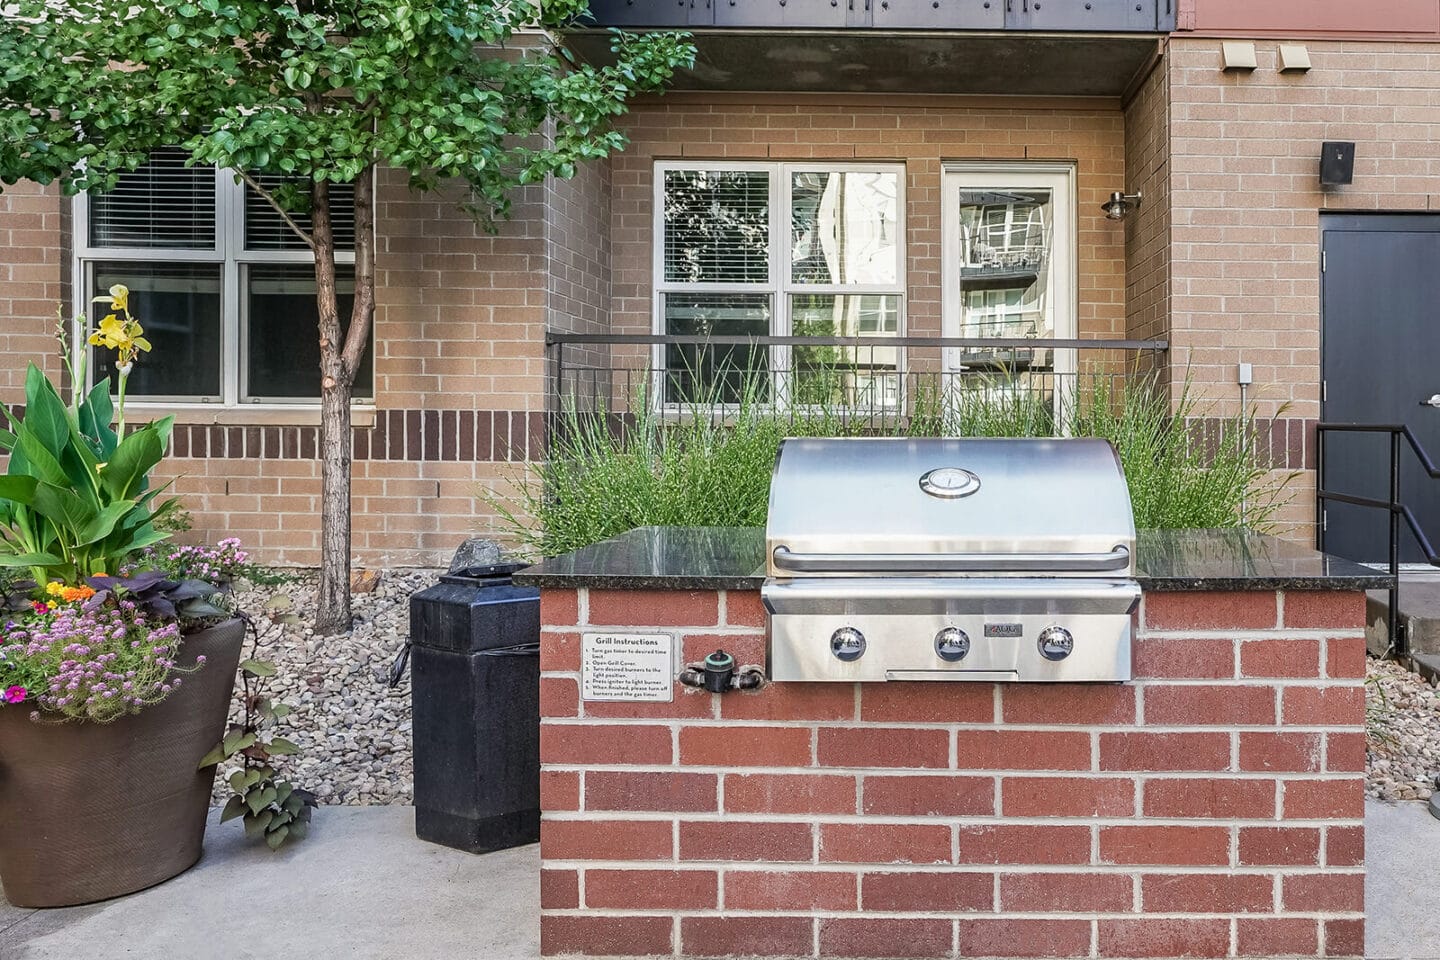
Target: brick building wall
{"x":459,"y":398}
{"x":459,"y":382}
{"x":1213,"y":808}
{"x":1246,"y":203}
{"x":32,"y":275}
{"x":921,"y":132}
{"x":1147,"y":230}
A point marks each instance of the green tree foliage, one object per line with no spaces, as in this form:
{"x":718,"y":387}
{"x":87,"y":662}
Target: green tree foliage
{"x":317,"y":91}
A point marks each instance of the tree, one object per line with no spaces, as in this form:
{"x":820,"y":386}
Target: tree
{"x":317,"y":92}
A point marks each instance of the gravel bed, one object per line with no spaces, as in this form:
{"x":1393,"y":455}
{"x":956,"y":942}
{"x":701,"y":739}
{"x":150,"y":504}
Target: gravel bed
{"x":353,"y":730}
{"x":1404,"y":737}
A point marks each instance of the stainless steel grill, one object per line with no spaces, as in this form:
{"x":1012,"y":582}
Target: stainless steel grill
{"x":973,"y":559}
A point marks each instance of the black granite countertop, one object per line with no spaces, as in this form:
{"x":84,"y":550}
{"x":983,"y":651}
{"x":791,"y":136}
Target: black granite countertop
{"x":733,"y":558}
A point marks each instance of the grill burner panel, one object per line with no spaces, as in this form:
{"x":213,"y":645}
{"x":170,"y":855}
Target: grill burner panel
{"x":879,"y":571}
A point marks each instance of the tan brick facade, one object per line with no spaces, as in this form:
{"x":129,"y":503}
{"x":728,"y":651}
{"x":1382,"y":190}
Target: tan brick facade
{"x":922,"y":133}
{"x":1221,"y":259}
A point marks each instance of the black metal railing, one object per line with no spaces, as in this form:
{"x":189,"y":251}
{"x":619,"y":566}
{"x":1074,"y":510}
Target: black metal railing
{"x":1032,"y":381}
{"x":1395,"y":508}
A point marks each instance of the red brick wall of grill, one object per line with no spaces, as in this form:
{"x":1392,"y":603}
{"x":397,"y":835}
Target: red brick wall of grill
{"x":1212,"y":808}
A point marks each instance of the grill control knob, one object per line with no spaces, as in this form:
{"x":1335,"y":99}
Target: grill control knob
{"x":847,"y":644}
{"x":1055,"y":643}
{"x":951,"y":644}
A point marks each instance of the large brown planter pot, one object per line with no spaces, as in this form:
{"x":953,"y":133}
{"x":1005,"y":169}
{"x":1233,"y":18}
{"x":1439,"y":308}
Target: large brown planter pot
{"x":91,"y":811}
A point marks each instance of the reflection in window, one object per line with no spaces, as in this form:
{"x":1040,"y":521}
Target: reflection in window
{"x":844,"y":227}
{"x":1006,"y":247}
{"x":720,"y":373}
{"x":864,"y":375}
{"x":283,"y":359}
{"x":178,"y":304}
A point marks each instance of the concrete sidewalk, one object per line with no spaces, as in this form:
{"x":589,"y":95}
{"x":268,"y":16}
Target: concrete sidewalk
{"x":1402,"y":881}
{"x":361,"y":887}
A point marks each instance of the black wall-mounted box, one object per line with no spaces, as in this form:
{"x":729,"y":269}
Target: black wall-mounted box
{"x":1337,"y":163}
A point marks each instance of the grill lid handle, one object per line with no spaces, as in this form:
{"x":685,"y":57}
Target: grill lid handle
{"x":1117,"y":559}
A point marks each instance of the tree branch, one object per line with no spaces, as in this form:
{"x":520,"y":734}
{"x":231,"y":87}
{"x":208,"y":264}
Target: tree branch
{"x":270,"y":199}
{"x":362,"y":311}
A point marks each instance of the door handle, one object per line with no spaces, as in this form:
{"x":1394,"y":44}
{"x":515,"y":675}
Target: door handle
{"x":1432,"y":402}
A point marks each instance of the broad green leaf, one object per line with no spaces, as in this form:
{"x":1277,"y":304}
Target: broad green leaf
{"x":255,"y":823}
{"x":281,"y":747}
{"x":215,"y":756}
{"x":19,"y":488}
{"x":235,"y":741}
{"x":46,"y":417}
{"x":132,"y":461}
{"x":258,"y":668}
{"x":234,"y":807}
{"x":63,"y":506}
{"x":99,"y":528}
{"x":253,"y":799}
{"x":237,"y":781}
{"x":30,"y":560}
{"x":276,"y":837}
{"x":38,"y":461}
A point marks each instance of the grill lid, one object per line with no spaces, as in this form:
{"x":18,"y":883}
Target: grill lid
{"x":882,"y":506}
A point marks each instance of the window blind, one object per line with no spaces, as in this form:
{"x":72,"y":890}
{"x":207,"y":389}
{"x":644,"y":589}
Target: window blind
{"x":162,"y":204}
{"x":717,"y":226}
{"x":265,"y":229}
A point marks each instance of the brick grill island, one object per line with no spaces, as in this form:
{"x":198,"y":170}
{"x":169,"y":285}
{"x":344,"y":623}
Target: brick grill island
{"x":1211,"y":808}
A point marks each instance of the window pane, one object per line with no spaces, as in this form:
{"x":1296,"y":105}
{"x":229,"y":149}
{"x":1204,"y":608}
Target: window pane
{"x":717,"y":374}
{"x":178,"y":304}
{"x":161,"y":204}
{"x":717,"y":226}
{"x":265,"y":229}
{"x":1006,"y":247}
{"x":844,"y":227}
{"x":854,"y":376}
{"x":282,"y":346}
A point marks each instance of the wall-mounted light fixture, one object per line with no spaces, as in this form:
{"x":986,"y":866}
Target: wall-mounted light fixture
{"x":1120,"y":204}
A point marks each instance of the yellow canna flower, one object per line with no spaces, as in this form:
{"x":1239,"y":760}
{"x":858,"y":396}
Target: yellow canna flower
{"x":123,"y":336}
{"x":119,"y":297}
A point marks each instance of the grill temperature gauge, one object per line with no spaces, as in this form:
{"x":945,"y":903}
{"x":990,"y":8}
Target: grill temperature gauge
{"x":951,"y":644}
{"x":1055,"y":643}
{"x":847,"y":644}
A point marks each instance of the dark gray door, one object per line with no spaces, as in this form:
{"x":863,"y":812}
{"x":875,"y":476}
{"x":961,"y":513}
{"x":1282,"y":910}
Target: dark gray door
{"x":1380,"y":358}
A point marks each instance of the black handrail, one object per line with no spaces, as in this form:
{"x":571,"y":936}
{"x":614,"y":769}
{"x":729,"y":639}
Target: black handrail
{"x":553,"y":338}
{"x":1398,"y":510}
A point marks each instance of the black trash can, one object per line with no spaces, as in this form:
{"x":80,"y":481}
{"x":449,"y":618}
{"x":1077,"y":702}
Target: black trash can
{"x":475,"y":696}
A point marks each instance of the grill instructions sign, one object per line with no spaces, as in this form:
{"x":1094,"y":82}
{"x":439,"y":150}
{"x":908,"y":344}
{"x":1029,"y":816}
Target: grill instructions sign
{"x":627,"y":666}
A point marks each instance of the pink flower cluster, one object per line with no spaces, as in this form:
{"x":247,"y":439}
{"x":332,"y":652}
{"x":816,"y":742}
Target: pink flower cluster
{"x":96,"y":665}
{"x":221,"y":563}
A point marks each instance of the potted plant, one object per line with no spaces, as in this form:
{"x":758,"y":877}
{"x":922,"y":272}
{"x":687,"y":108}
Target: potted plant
{"x":117,"y":657}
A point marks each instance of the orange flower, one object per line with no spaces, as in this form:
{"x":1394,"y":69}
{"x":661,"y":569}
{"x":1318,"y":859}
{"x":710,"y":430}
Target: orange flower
{"x":72,"y":594}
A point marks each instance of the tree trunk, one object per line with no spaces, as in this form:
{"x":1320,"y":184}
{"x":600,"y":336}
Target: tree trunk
{"x":332,"y":613}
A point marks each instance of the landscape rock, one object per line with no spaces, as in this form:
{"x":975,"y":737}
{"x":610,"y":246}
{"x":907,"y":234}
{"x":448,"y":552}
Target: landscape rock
{"x":352,"y":728}
{"x":364,"y":581}
{"x":476,"y":552}
{"x":1403,"y":743}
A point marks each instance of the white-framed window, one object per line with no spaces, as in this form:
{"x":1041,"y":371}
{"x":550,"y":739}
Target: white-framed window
{"x":1009,"y":251}
{"x":223,"y":286}
{"x":775,"y":248}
